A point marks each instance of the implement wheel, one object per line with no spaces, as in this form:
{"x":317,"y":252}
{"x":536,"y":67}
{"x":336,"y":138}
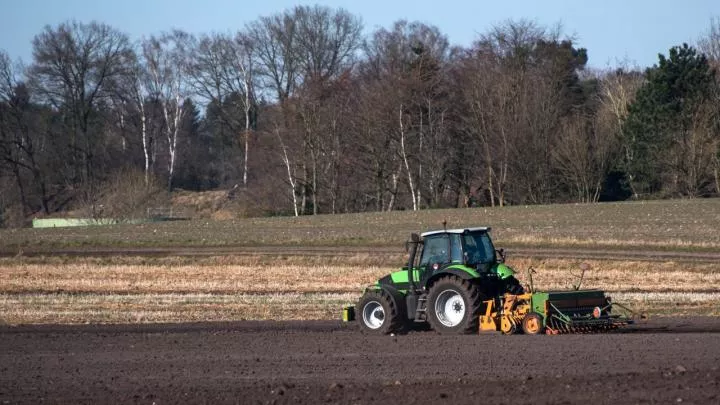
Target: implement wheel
{"x":532,"y":324}
{"x":378,"y":313}
{"x":454,"y":306}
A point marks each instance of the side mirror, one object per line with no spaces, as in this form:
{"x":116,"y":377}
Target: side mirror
{"x":414,"y":239}
{"x":501,"y":255}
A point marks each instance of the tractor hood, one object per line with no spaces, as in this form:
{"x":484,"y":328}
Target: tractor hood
{"x":503,"y":271}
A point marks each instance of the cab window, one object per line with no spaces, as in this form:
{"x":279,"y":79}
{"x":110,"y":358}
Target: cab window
{"x":435,"y":250}
{"x":478,"y":248}
{"x":456,"y":254}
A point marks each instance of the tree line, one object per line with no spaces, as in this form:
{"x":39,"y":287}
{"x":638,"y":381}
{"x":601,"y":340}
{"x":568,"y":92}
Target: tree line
{"x":301,"y":113}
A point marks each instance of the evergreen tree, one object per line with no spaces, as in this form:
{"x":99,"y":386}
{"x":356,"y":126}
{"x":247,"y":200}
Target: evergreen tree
{"x":659,"y":128}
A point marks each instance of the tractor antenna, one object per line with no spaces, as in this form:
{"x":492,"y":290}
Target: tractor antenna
{"x":583,"y":268}
{"x":531,"y":271}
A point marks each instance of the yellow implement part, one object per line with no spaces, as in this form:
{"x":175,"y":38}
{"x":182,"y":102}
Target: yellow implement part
{"x":487,"y":321}
{"x":487,"y":324}
{"x":508,"y":318}
{"x":509,"y":303}
{"x":507,"y":325}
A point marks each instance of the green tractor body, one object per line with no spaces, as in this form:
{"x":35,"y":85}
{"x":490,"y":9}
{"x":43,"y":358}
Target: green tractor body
{"x":453,"y":270}
{"x":457,"y":282}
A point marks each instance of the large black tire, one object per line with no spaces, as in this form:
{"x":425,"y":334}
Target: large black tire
{"x":378,"y":314}
{"x":454,"y":306}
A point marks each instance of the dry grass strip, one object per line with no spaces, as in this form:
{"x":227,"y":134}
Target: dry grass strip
{"x":109,"y":290}
{"x":621,"y":275}
{"x":152,"y":308}
{"x":149,"y":308}
{"x":222,"y":279}
{"x":251,"y":275}
{"x":675,"y":304}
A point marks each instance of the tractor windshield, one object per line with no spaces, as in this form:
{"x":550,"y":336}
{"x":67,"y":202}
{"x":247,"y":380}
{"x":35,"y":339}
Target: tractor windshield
{"x":478,"y":248}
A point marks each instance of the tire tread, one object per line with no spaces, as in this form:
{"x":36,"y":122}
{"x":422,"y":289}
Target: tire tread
{"x":475,"y":297}
{"x":394,"y":322}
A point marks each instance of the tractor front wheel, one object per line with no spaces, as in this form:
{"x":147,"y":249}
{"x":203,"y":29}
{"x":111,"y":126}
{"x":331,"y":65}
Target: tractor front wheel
{"x":454,"y":306}
{"x":378,"y":313}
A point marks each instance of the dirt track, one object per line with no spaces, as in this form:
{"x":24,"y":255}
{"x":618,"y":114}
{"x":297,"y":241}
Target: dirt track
{"x":333,"y":251}
{"x":667,"y":360}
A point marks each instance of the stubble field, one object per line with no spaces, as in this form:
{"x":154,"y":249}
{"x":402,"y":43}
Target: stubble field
{"x":658,"y":257}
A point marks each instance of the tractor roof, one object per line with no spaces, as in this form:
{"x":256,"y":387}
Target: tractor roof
{"x":460,"y":230}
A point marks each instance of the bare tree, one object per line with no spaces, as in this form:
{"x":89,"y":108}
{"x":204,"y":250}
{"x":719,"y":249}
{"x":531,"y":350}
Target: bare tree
{"x":710,"y":46}
{"x":223,"y":73}
{"x":404,"y":155}
{"x":617,"y":92}
{"x":273,"y":39}
{"x":74,"y":67}
{"x":518,"y":82}
{"x":20,"y":129}
{"x":291,"y":177}
{"x":326,"y":41}
{"x":133,"y":109}
{"x":139,"y":93}
{"x":498,"y":84}
{"x":301,"y":55}
{"x":167,"y":63}
{"x":585,"y":148}
{"x":378,"y":159}
{"x":13,"y":141}
{"x":405,"y":66}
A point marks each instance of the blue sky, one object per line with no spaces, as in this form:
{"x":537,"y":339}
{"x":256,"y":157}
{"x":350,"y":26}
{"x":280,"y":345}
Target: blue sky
{"x":611,"y":30}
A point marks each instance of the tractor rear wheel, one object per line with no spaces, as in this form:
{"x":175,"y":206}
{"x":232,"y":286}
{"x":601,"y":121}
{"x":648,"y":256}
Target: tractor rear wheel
{"x":454,"y":306}
{"x":378,"y":313}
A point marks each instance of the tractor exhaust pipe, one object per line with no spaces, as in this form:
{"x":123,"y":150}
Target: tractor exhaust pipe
{"x":413,"y":244}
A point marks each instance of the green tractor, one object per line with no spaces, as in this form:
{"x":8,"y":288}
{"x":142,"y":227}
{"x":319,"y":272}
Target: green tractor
{"x":449,"y":275}
{"x":457,"y":282}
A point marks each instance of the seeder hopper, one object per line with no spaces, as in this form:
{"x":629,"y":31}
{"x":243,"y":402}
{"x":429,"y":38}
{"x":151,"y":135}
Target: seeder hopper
{"x":555,"y":312}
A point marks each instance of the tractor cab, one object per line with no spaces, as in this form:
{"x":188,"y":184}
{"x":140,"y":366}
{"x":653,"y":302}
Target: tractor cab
{"x":471,"y":247}
{"x":467,"y":253}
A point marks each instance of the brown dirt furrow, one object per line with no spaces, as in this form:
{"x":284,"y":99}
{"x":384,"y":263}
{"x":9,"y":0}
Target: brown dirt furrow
{"x":666,"y":360}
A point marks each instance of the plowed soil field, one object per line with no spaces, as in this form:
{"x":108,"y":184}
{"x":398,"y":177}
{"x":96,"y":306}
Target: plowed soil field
{"x":665,"y":360}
